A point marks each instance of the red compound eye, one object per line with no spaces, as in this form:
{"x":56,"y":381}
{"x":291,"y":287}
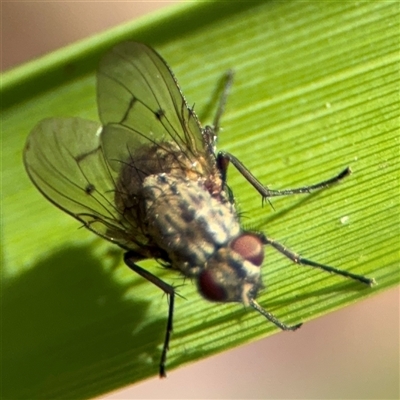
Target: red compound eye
{"x":250,"y":248}
{"x":209,"y":288}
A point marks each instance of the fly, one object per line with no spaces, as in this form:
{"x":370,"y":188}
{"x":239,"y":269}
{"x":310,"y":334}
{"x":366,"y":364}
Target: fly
{"x":149,"y":180}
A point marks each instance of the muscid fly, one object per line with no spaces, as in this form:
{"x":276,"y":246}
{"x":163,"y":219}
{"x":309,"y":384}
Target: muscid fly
{"x":149,"y":180}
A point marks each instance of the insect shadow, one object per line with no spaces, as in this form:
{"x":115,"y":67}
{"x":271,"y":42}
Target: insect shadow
{"x":58,"y":317}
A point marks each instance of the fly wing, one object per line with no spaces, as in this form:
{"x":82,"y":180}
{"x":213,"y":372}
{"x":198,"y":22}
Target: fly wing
{"x":65,"y":161}
{"x":140,"y":103}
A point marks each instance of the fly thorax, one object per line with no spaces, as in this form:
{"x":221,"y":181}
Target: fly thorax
{"x":233,"y":273}
{"x":143,"y":162}
{"x":185,"y":220}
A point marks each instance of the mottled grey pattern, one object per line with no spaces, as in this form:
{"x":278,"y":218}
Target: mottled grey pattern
{"x":186,"y":220}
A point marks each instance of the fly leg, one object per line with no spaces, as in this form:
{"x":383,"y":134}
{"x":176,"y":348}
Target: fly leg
{"x":222,"y":101}
{"x":130,"y":258}
{"x":223,"y":160}
{"x":272,"y":318}
{"x":296,"y":258}
{"x":210,"y":133}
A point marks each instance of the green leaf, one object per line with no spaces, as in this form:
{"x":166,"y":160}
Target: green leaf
{"x":316,"y":89}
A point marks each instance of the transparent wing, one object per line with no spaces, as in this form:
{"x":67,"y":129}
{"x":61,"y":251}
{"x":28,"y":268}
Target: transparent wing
{"x":65,"y":161}
{"x":140,"y":103}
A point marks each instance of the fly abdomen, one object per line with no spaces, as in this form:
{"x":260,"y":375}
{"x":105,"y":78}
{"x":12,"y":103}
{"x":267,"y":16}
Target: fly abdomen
{"x":185,"y":220}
